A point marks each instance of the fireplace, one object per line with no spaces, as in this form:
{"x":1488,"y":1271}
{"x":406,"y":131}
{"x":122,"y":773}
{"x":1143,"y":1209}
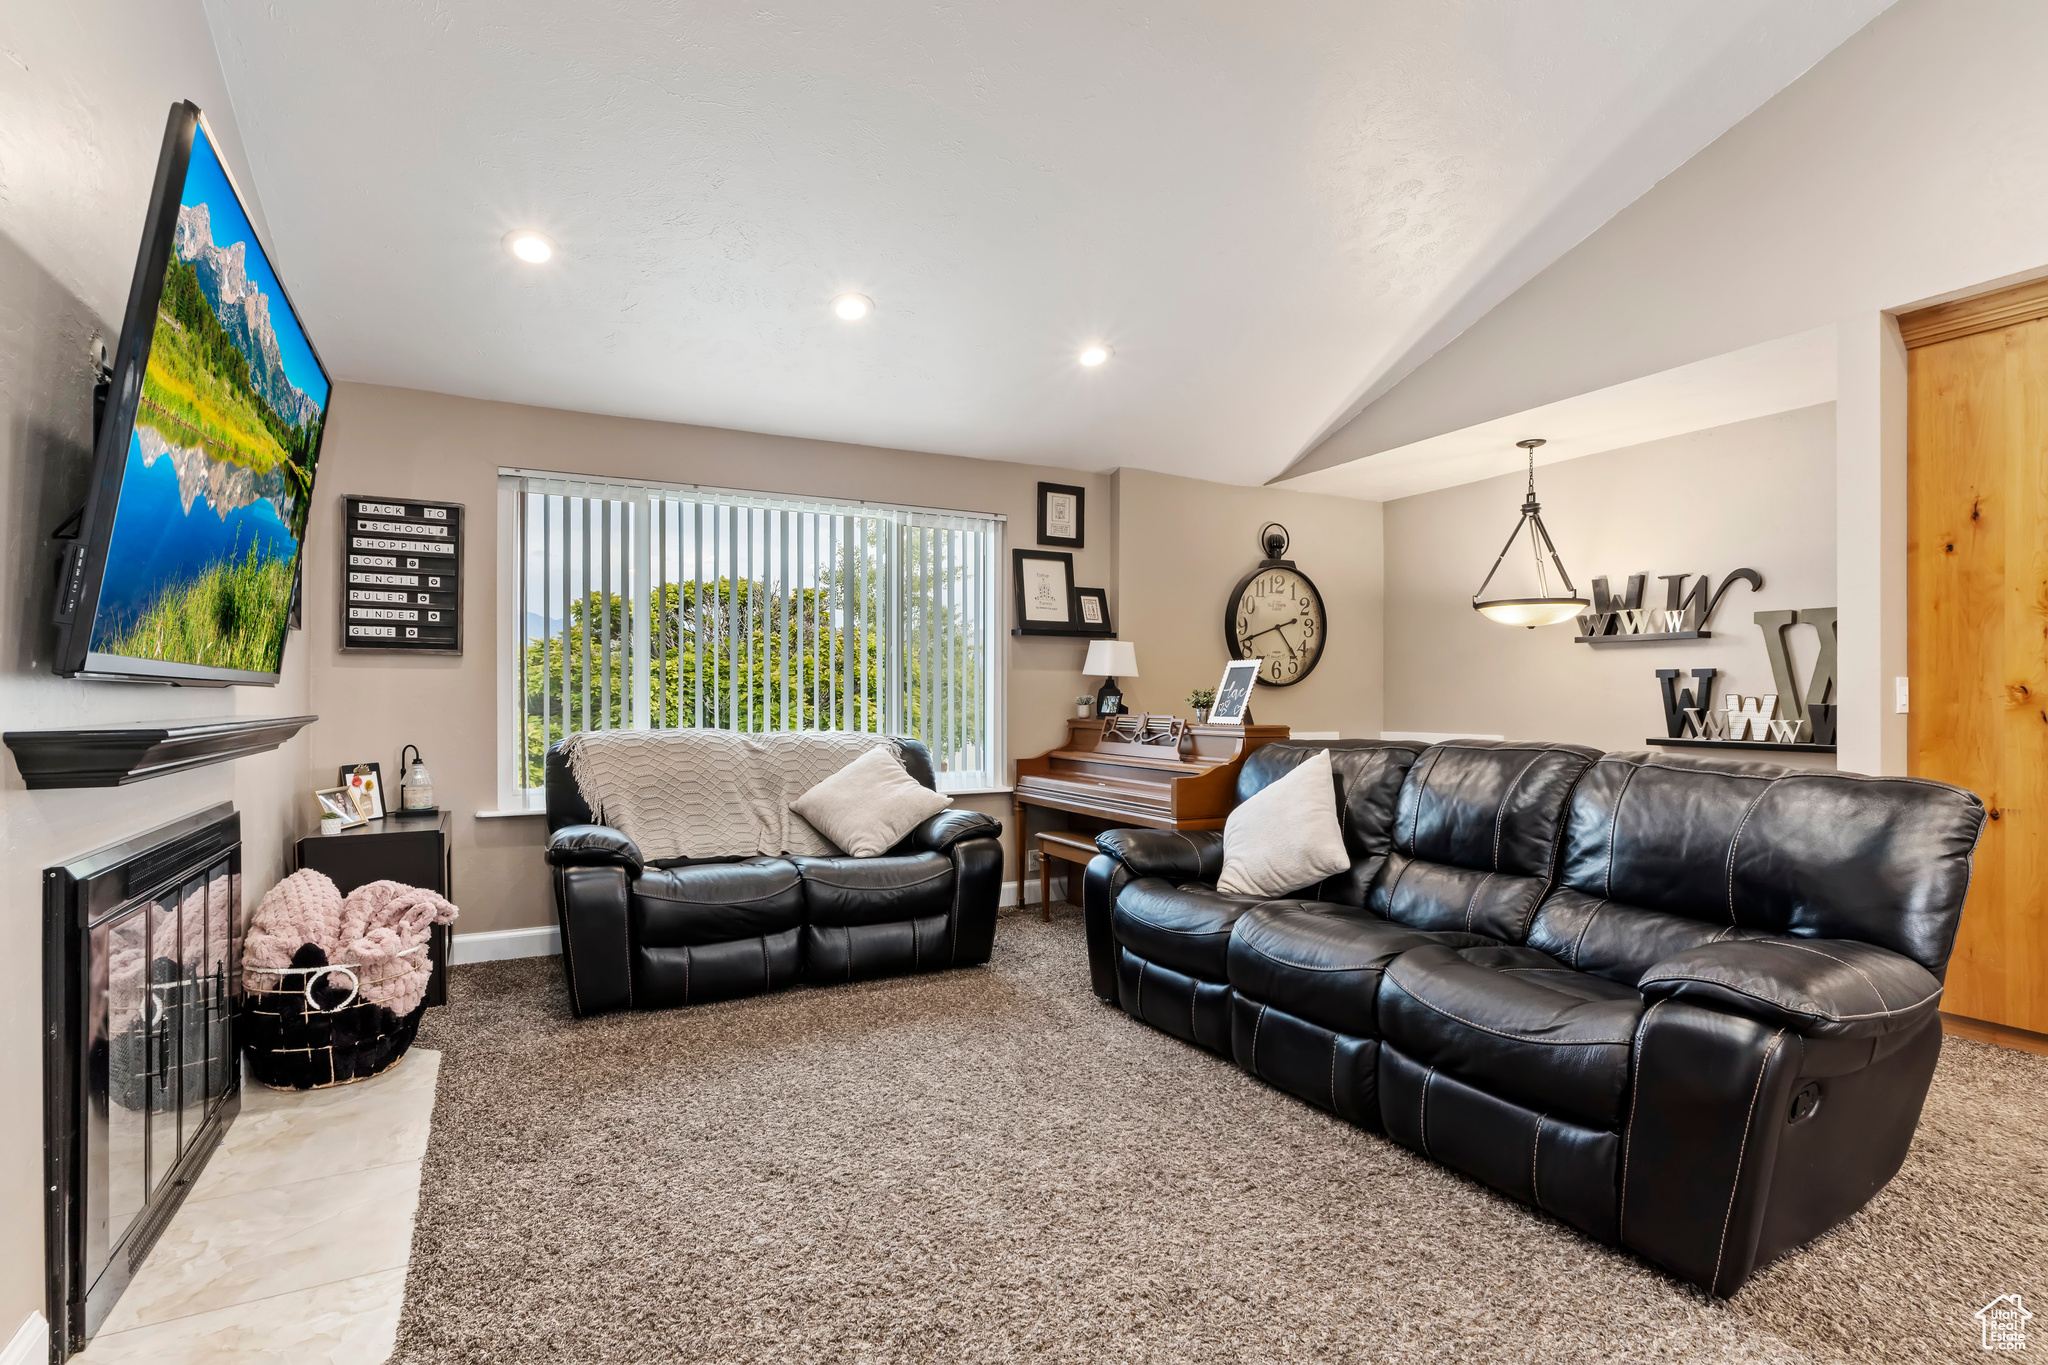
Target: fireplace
{"x":141,"y":978}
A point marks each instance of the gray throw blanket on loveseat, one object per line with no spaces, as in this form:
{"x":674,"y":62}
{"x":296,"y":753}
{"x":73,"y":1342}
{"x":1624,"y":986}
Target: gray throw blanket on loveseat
{"x":709,"y":793}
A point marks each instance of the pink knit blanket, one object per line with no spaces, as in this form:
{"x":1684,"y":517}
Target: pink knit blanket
{"x":370,"y":932}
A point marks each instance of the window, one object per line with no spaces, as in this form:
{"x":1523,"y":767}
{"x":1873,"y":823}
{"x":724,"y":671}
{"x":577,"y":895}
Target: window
{"x":646,"y":607}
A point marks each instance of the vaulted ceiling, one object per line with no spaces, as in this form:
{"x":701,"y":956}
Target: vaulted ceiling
{"x":1269,"y":212}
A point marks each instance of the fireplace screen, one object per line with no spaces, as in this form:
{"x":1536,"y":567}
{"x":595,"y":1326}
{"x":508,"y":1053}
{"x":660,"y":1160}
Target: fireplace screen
{"x":142,"y":979}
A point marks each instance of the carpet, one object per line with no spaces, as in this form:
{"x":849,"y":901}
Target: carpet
{"x":988,"y":1165}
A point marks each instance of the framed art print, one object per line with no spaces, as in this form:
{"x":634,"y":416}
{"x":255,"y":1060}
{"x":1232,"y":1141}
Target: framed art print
{"x":1045,"y":591}
{"x":1062,"y":515}
{"x":1234,"y":693}
{"x":365,"y":784}
{"x":340,"y":801}
{"x":1091,"y":612}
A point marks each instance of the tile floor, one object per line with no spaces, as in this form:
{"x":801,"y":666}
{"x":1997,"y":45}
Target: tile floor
{"x":293,"y":1245}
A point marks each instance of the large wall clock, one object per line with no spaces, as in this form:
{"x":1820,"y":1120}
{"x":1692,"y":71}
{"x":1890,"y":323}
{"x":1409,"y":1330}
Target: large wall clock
{"x":1276,"y":614}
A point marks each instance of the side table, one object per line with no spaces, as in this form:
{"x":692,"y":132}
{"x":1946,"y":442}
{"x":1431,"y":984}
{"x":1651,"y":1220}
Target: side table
{"x":413,"y":849}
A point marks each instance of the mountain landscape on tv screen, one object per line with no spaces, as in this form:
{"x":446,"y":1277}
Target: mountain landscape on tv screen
{"x":219,"y":467}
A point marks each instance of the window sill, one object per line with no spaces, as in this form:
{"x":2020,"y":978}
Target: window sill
{"x":976,"y":791}
{"x":506,"y":814}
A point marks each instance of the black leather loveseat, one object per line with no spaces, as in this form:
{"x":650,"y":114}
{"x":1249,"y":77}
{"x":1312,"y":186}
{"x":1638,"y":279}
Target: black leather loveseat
{"x":683,"y":931}
{"x":1685,"y":1005}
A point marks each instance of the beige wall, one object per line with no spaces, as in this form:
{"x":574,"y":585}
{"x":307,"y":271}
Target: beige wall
{"x":1835,"y":201}
{"x":1184,"y":544}
{"x":407,"y":443}
{"x":1756,"y":494}
{"x":82,"y":108}
{"x":1189,"y":542}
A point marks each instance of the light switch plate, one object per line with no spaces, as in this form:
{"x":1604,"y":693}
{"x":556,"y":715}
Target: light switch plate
{"x":1901,"y":685}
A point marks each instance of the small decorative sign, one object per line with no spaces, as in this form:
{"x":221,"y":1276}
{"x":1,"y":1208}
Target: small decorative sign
{"x":401,"y":575}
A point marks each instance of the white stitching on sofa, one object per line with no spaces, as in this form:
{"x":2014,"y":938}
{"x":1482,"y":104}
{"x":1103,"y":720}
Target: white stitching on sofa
{"x":1628,"y":1141}
{"x":1613,"y":823}
{"x":1500,"y":816}
{"x":1422,"y":1115}
{"x":1473,"y":899}
{"x":1742,"y":1151}
{"x":1580,"y":942}
{"x":1421,"y":789}
{"x":1737,"y":839}
{"x":1517,"y":1037}
{"x":1535,"y":1146}
{"x":1809,"y":948}
{"x":1808,"y":1014}
{"x":1255,"y":1038}
{"x":1333,"y":1071}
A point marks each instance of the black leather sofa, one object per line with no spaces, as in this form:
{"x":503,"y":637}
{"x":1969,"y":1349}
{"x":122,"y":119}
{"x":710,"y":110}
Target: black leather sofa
{"x":683,"y":931}
{"x":1686,"y":1005}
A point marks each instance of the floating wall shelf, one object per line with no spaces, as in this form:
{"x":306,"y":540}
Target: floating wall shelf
{"x":116,"y":755}
{"x":1646,"y":638}
{"x":1743,"y":744}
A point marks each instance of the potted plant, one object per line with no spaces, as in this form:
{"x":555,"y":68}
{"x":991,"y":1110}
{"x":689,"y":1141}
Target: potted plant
{"x":1202,"y":698}
{"x":1084,"y":705}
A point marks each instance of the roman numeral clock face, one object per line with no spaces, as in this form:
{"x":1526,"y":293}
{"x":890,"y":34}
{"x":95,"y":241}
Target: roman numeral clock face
{"x":1277,"y":615}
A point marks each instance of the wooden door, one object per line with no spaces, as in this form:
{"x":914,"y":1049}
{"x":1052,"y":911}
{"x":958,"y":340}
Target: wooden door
{"x":1977,"y":598}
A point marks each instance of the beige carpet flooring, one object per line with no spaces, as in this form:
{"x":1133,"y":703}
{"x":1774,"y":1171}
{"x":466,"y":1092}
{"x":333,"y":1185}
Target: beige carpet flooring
{"x":988,"y":1165}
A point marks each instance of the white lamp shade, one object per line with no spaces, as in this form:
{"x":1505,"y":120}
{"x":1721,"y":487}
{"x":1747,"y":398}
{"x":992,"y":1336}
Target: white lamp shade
{"x":1111,"y":659}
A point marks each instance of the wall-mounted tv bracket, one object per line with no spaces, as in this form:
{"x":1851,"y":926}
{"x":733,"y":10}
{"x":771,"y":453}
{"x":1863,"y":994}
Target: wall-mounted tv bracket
{"x":69,"y":568}
{"x":1624,"y":620}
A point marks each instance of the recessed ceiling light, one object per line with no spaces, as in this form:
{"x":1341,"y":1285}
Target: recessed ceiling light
{"x":853,"y":307}
{"x":530,"y":247}
{"x":1095,"y":355}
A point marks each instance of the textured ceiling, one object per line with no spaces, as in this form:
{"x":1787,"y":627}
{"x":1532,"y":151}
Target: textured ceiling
{"x":1270,"y":211}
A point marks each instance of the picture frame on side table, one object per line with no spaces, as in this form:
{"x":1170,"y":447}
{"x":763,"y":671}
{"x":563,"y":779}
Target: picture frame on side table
{"x":1091,"y":611}
{"x":1045,"y":591}
{"x":367,"y":788}
{"x":1062,"y":515}
{"x":1234,"y":693}
{"x":340,"y":802}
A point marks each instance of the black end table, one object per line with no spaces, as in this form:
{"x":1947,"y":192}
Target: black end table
{"x":413,"y":849}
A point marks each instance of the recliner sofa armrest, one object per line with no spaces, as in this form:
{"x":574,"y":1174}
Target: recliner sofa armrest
{"x":1178,"y":855}
{"x":594,"y":846}
{"x":949,"y":827}
{"x":1823,"y":988}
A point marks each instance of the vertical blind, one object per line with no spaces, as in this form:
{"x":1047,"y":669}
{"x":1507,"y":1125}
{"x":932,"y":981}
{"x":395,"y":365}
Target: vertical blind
{"x":644,"y":607}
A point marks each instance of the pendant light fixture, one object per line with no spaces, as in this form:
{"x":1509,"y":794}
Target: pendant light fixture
{"x":1547,"y":608}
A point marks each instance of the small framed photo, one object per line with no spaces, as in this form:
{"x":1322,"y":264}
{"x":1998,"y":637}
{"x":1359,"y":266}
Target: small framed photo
{"x":1234,"y":693}
{"x":365,"y":784}
{"x":341,"y":802}
{"x":1045,"y":592}
{"x":1091,"y":612}
{"x":1062,"y":515}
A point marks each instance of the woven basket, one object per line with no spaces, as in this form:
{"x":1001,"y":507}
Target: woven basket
{"x":315,"y":1029}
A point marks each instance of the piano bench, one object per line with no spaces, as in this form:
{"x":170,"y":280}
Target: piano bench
{"x":1071,"y":848}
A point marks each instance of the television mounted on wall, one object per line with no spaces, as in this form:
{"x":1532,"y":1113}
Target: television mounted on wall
{"x":188,"y":548}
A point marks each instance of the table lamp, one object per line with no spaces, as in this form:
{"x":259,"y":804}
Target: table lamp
{"x":1109,"y":658}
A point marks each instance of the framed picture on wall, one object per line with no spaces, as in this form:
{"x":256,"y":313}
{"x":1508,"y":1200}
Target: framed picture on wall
{"x":1045,"y":591}
{"x":1091,"y":612}
{"x":1062,"y":515}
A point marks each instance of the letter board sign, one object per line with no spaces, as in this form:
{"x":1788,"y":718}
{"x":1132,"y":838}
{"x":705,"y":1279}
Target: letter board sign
{"x":401,"y":575}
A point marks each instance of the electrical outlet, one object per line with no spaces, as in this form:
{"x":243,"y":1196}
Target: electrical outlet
{"x":1031,"y":860}
{"x":1900,"y":683}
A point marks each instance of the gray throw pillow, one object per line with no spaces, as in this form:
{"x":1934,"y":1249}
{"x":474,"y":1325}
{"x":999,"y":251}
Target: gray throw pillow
{"x":870,"y":804}
{"x":1285,"y":838}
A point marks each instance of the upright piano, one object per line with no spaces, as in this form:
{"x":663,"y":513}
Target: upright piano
{"x":1148,"y":771}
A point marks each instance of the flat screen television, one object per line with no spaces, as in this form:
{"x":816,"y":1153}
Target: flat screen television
{"x":187,"y":553}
